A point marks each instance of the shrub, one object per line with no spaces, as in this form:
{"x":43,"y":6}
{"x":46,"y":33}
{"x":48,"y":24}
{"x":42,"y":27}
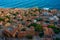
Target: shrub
{"x":51,"y":26}
{"x":1,"y":27}
{"x":57,"y":39}
{"x":39,"y":19}
{"x":56,"y":30}
{"x":25,"y":14}
{"x":23,"y":29}
{"x":37,"y":27}
{"x":1,"y":19}
{"x":47,"y":21}
{"x":17,"y":13}
{"x":7,"y":17}
{"x":41,"y":34}
{"x":29,"y":36}
{"x":33,"y":14}
{"x":33,"y":24}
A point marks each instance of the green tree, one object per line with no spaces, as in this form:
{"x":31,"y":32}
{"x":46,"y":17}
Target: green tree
{"x":55,"y":29}
{"x":37,"y":27}
{"x":7,"y":17}
{"x":52,"y":26}
{"x":1,"y":19}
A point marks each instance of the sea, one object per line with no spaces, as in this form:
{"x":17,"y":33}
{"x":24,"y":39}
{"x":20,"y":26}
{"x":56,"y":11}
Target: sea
{"x":52,"y":4}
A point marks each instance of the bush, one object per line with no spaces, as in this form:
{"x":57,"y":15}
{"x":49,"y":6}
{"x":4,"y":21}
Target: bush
{"x":1,"y":19}
{"x":47,"y":21}
{"x":41,"y":34}
{"x":17,"y":13}
{"x":57,"y":38}
{"x":10,"y":21}
{"x":29,"y":36}
{"x":51,"y":26}
{"x":39,"y":19}
{"x":25,"y":14}
{"x":19,"y":19}
{"x":23,"y":29}
{"x":1,"y":27}
{"x":29,"y":20}
{"x":33,"y":24}
{"x":7,"y":17}
{"x":56,"y":30}
{"x":34,"y":15}
{"x":37,"y":27}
